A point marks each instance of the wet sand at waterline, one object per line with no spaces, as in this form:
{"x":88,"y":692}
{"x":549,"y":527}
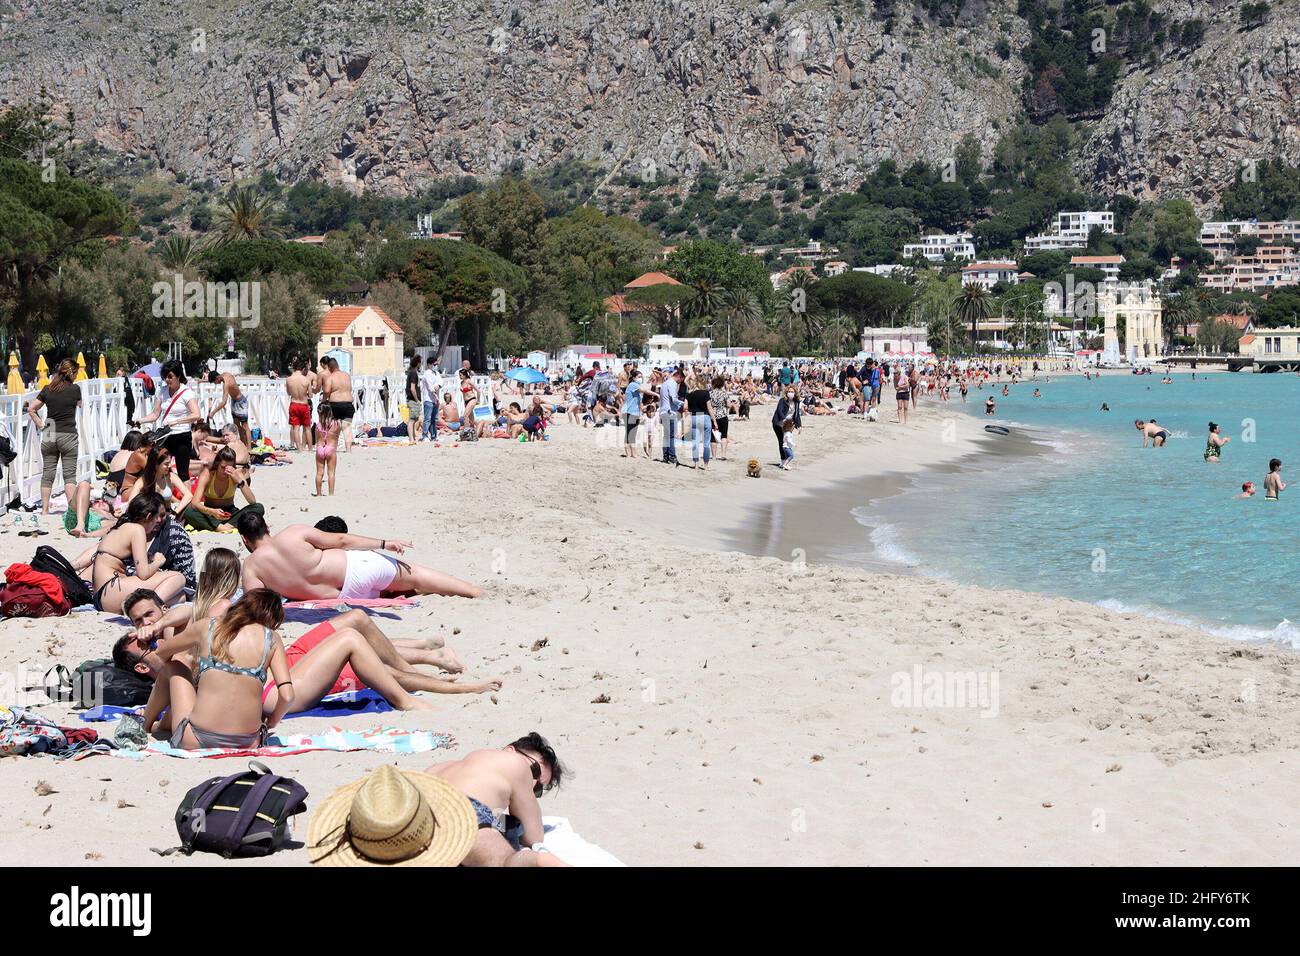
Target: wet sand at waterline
{"x":758,"y":708}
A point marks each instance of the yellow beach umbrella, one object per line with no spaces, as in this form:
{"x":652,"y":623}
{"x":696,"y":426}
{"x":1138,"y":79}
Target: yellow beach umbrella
{"x":81,"y":368}
{"x":42,"y":372}
{"x":103,"y":366}
{"x":14,"y":384}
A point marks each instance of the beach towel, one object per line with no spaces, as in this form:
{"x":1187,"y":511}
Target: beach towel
{"x":343,"y":704}
{"x":343,"y":604}
{"x":389,"y":740}
{"x":564,"y":841}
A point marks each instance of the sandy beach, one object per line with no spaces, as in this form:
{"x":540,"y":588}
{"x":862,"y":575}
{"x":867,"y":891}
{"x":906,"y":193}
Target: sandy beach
{"x":758,"y":707}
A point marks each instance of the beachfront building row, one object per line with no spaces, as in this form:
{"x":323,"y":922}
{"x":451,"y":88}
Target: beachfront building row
{"x":938,"y":247}
{"x":1273,"y":349}
{"x":1070,"y":231}
{"x":1220,"y":238}
{"x":882,"y":341}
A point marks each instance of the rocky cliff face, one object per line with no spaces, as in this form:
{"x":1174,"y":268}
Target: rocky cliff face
{"x":388,"y":94}
{"x":385,"y":95}
{"x":1192,"y":125}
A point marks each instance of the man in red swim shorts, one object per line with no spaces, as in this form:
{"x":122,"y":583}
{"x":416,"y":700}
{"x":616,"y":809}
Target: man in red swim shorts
{"x":298,"y":385}
{"x":349,"y":652}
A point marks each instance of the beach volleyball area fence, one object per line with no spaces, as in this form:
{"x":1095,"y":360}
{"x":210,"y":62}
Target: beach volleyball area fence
{"x":102,"y":419}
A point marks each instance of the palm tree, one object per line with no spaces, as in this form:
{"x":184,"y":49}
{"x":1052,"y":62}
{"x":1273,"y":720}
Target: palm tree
{"x":1181,"y":309}
{"x":742,"y":309}
{"x":799,"y":304}
{"x":972,"y":305}
{"x":243,"y":214}
{"x":178,"y":253}
{"x":708,"y":300}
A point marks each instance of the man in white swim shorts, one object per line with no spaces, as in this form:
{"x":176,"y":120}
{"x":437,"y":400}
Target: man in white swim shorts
{"x":303,"y":563}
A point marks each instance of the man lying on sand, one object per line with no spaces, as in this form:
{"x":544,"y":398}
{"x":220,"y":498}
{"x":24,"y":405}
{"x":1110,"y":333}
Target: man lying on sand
{"x":303,"y":563}
{"x":512,"y":778}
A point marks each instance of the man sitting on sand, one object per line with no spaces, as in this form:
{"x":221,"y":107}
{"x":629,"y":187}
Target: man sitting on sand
{"x":303,"y":563}
{"x":512,"y":779}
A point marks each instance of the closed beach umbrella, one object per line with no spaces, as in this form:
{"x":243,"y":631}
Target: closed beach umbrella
{"x":42,"y":372}
{"x":525,"y":375}
{"x":14,"y":384}
{"x":103,"y":366}
{"x":81,"y":367}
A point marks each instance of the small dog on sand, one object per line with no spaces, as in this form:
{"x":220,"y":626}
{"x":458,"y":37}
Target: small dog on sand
{"x":754,"y":469}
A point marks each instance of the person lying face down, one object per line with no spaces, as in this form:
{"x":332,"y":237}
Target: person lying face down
{"x":305,"y":563}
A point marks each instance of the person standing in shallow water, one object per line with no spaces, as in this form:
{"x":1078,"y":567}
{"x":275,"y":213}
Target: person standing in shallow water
{"x":1214,"y":443}
{"x":1273,"y":484}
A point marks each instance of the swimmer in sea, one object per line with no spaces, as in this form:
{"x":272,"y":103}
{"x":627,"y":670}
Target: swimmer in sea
{"x":1105,"y":407}
{"x":1152,"y":433}
{"x":990,"y":406}
{"x":1037,"y":394}
{"x":1247,"y":490}
{"x":1273,"y":484}
{"x":1006,"y":390}
{"x":1214,"y":443}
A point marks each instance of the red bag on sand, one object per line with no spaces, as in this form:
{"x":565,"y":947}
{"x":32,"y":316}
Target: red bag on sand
{"x":20,"y":599}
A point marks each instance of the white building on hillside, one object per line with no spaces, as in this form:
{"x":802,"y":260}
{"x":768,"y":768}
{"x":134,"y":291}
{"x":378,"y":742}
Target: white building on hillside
{"x":938,"y":247}
{"x":1071,"y":230}
{"x":989,"y":274}
{"x":889,"y":270}
{"x":1220,"y":238}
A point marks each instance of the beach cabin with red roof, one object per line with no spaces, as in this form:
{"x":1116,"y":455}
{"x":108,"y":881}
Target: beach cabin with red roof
{"x":617,"y":304}
{"x":363,"y":339}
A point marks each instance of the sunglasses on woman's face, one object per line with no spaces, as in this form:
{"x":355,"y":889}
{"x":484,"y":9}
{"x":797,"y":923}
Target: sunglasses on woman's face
{"x":538,"y":789}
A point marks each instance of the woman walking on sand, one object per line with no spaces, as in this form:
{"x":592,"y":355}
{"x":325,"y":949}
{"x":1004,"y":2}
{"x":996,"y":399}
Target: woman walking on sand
{"x":902,"y":392}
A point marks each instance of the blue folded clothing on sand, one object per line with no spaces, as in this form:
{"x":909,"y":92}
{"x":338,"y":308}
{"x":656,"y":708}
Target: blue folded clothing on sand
{"x":349,"y":702}
{"x":334,"y":705}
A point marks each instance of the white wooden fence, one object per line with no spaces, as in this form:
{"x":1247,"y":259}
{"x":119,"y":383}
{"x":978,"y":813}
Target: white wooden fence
{"x":101,"y":421}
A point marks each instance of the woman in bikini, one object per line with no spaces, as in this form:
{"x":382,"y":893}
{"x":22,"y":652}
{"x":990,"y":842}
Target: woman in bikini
{"x":121,"y":562}
{"x":213,"y":507}
{"x":217,"y":584}
{"x":236,"y":658}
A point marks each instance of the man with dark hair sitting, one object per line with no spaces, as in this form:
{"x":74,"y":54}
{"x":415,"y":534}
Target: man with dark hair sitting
{"x":303,"y":563}
{"x":510,"y":779}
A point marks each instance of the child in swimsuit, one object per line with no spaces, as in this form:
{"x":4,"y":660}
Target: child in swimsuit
{"x":327,"y":442}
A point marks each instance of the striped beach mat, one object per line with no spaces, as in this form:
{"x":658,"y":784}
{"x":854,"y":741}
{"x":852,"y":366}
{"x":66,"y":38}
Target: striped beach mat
{"x":389,"y":740}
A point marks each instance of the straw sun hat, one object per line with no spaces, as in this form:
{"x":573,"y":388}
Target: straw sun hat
{"x":392,"y":818}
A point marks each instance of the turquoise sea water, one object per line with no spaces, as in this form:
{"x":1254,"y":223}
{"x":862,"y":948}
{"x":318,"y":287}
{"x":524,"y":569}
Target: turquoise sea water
{"x":1099,"y":518}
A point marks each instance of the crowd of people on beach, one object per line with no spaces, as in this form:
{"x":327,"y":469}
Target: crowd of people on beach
{"x":206,"y":638}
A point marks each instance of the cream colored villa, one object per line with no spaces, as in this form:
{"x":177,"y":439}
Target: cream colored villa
{"x":363,"y":339}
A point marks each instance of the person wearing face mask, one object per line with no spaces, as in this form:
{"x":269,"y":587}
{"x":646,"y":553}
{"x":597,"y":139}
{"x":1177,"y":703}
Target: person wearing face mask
{"x":787,"y":410}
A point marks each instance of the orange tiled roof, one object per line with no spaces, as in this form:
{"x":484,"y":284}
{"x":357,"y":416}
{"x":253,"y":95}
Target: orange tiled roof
{"x":1095,"y":260}
{"x":651,"y":278}
{"x":1246,"y":340}
{"x":337,"y":319}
